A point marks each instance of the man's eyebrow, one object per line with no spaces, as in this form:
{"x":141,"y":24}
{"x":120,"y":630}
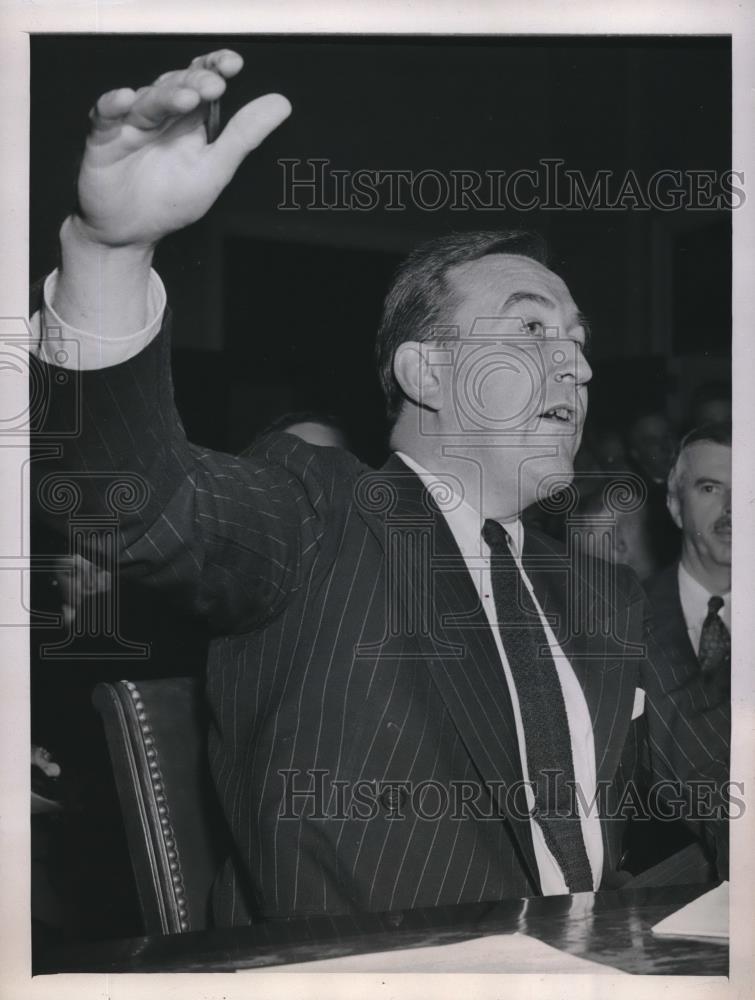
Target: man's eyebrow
{"x":516,"y":297}
{"x":705,"y":480}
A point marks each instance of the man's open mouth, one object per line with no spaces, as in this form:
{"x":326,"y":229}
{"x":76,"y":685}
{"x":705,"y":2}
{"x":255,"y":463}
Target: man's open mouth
{"x":561,"y":414}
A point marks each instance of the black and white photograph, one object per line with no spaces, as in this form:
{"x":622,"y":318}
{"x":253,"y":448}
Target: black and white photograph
{"x":377,"y":535}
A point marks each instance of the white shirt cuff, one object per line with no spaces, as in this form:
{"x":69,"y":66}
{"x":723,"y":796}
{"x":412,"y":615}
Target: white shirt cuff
{"x":65,"y":346}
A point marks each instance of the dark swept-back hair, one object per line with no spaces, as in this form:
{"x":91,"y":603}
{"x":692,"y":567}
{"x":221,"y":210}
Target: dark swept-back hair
{"x":420,"y":296}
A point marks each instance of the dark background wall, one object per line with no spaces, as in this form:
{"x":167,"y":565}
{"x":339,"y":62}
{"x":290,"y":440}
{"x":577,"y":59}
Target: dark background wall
{"x":278,"y":309}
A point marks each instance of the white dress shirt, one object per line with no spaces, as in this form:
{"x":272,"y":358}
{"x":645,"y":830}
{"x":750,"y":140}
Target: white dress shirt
{"x":466,"y":527}
{"x":97,"y":351}
{"x":694,"y":599}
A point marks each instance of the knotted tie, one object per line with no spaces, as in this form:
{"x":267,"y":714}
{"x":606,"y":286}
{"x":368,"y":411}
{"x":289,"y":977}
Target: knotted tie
{"x":715,"y":642}
{"x":541,"y":703}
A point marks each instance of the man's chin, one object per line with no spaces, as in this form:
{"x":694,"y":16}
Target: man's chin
{"x":552,"y":479}
{"x":722,"y":548}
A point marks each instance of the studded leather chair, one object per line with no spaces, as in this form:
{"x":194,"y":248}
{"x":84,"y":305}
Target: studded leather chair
{"x":155,"y":731}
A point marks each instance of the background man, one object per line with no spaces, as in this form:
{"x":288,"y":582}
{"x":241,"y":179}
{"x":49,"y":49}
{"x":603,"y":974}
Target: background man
{"x":691,"y":602}
{"x":614,"y":531}
{"x":710,"y":404}
{"x":651,"y":442}
{"x":379,"y":637}
{"x":692,"y":599}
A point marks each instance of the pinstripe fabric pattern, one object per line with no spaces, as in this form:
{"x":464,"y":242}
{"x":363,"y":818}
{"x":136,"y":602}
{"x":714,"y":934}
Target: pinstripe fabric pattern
{"x":670,"y":626}
{"x":350,"y":647}
{"x":698,"y":730}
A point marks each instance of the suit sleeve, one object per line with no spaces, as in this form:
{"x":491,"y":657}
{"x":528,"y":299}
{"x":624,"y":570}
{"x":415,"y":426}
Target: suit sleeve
{"x":225,"y":538}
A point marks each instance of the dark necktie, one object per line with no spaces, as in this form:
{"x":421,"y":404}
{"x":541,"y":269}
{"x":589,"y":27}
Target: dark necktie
{"x":541,"y":703}
{"x":714,"y":652}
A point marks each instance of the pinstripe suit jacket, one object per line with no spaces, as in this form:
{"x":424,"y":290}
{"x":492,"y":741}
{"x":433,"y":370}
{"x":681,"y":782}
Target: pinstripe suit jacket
{"x":670,"y":626}
{"x":679,"y":667}
{"x":352,"y":661}
{"x":705,"y":706}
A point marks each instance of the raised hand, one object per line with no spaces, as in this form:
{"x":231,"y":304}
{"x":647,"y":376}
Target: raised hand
{"x":148,"y":168}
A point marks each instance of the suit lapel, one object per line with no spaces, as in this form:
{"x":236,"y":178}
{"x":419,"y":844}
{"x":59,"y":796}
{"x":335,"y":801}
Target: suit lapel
{"x":461,"y":653}
{"x":457,"y":644}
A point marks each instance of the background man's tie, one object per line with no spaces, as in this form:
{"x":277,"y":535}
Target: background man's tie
{"x":541,"y":703}
{"x":714,"y":652}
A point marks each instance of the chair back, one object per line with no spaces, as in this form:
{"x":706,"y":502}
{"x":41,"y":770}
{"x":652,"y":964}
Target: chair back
{"x":156,"y":736}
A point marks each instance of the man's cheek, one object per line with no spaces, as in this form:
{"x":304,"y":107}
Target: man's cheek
{"x":500,"y":394}
{"x":513,"y":397}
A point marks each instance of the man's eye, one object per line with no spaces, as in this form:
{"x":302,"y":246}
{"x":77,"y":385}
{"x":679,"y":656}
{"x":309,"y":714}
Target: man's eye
{"x":710,"y":488}
{"x":535,"y":328}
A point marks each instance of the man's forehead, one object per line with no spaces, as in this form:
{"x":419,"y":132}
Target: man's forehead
{"x":501,"y":275}
{"x":708,"y":458}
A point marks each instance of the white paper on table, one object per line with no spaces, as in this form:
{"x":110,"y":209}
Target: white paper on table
{"x":706,"y":916}
{"x":495,"y":953}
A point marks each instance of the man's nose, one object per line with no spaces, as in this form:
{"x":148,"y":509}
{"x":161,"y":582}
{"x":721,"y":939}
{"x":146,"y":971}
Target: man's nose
{"x":584,"y":371}
{"x":727,"y":502}
{"x":570,"y":362}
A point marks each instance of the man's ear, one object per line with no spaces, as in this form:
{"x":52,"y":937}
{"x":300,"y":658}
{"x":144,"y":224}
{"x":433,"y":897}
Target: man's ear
{"x":418,"y":379}
{"x":674,"y":508}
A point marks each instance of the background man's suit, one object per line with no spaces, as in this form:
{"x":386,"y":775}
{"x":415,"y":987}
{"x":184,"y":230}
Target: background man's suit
{"x":708,"y":718}
{"x":333,"y":655}
{"x":679,"y":669}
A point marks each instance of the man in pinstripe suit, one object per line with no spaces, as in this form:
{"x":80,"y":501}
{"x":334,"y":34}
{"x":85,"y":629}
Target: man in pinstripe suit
{"x":369,"y":742}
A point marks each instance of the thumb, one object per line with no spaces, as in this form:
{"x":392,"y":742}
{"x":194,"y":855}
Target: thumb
{"x":246,"y":130}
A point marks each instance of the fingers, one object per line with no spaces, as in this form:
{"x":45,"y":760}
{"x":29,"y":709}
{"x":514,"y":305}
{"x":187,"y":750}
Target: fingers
{"x":175,"y":93}
{"x":154,"y":105}
{"x":246,"y":130}
{"x":43,"y":760}
{"x":114,"y":104}
{"x":145,"y":108}
{"x":109,"y":111}
{"x":223,"y":61}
